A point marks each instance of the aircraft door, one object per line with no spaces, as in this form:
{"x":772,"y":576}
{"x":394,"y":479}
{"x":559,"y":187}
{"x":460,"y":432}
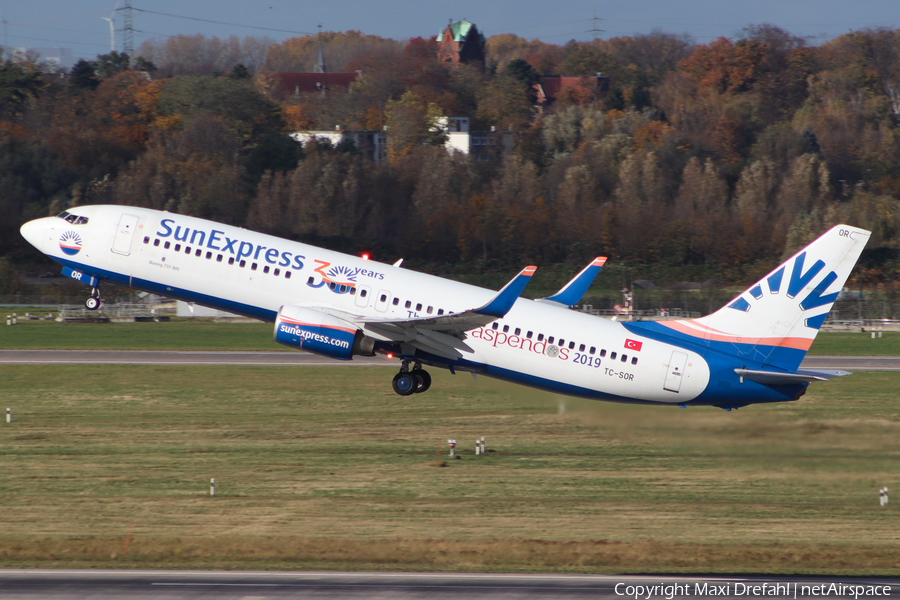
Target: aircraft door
{"x":124,"y":234}
{"x":382,"y":301}
{"x":675,"y":372}
{"x":362,"y":295}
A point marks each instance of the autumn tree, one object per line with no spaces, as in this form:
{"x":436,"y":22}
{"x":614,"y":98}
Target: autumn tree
{"x":299,"y":54}
{"x":201,"y":55}
{"x":19,"y":84}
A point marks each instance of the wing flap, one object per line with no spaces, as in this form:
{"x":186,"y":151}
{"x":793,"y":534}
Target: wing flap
{"x":443,"y":335}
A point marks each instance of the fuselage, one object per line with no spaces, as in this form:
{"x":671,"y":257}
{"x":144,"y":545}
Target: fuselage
{"x":538,"y":344}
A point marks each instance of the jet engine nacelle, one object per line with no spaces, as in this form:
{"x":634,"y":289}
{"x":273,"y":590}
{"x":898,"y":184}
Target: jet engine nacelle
{"x":315,"y":331}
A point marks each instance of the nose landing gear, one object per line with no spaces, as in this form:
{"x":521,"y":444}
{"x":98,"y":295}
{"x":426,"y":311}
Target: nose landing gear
{"x":93,"y":303}
{"x":414,"y":381}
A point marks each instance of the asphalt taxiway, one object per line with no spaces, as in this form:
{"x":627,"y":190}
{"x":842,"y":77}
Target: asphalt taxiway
{"x":295,"y":359}
{"x":27,"y":584}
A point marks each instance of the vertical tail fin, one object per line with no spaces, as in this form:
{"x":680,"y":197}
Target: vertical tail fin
{"x":775,"y":321}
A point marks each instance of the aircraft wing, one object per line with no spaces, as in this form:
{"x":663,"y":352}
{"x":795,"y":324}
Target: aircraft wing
{"x":574,"y":291}
{"x":443,"y":335}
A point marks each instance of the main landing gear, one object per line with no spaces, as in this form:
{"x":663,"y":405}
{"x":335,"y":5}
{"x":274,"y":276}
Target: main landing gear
{"x":93,"y":303}
{"x":413,"y":381}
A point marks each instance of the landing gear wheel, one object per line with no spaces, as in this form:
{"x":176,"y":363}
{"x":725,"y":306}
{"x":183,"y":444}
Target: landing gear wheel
{"x":92,"y":303}
{"x":405,"y":383}
{"x":424,"y":380}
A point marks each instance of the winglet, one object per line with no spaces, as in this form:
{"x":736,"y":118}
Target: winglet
{"x":574,"y":291}
{"x":505,"y":298}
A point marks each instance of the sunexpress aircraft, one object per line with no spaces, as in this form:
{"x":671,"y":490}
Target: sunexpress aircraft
{"x":341,"y":306}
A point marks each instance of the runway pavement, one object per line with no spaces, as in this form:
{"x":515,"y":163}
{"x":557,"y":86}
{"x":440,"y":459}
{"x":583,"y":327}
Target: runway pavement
{"x":229,"y":585}
{"x":295,"y":359}
{"x":154,"y":357}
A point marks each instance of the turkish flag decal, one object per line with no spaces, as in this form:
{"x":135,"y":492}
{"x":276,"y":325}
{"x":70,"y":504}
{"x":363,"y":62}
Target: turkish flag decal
{"x":633,"y":344}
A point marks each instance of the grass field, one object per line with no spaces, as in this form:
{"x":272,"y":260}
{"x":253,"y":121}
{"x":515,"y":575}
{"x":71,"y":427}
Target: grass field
{"x":208,"y":335}
{"x":327,"y":468}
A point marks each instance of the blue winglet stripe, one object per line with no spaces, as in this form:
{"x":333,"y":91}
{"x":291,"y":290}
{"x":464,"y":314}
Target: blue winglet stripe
{"x":574,"y":291}
{"x":505,"y":298}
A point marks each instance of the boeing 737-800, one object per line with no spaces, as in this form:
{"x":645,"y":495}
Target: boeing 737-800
{"x":340,"y":306}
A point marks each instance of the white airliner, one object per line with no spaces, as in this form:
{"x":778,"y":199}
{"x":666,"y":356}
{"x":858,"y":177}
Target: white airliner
{"x":340,"y":306}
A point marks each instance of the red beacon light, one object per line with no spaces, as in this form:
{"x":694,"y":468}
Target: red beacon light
{"x":365,"y":256}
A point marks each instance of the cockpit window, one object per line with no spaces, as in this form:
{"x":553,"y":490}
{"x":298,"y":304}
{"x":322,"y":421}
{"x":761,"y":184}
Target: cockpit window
{"x":73,"y":219}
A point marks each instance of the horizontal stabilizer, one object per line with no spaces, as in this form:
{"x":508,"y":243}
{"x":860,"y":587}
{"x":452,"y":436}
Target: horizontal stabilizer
{"x":573,"y":292}
{"x":781,"y":378}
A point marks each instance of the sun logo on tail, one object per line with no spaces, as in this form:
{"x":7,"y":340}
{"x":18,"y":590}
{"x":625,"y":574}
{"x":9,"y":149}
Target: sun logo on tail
{"x":70,"y":243}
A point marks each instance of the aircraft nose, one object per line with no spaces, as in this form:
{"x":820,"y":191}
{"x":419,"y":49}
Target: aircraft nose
{"x":33,"y":232}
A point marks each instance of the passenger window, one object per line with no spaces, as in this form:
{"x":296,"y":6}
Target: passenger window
{"x":230,"y":260}
{"x":363,"y":294}
{"x":408,"y":304}
{"x":177,"y":247}
{"x":266,"y":269}
{"x":506,"y":329}
{"x":187,"y":249}
{"x":277,"y":272}
{"x":430,"y":310}
{"x":572,"y":346}
{"x":156,"y":242}
{"x":528,"y":335}
{"x":146,"y":239}
{"x":253,"y":267}
{"x":199,"y":252}
{"x":550,"y":339}
{"x":562,"y":342}
{"x":540,"y":337}
{"x":396,"y":301}
{"x":331,"y":286}
{"x":208,"y":255}
{"x":383,"y":298}
{"x":581,"y":348}
{"x":287,"y":275}
{"x":517,"y":331}
{"x":166,"y":245}
{"x":242,"y":264}
{"x":419,"y":306}
{"x":624,"y":358}
{"x":603,"y":353}
{"x":218,"y":258}
{"x":309,"y":281}
{"x":495,"y":326}
{"x":612,"y":355}
{"x":593,"y":349}
{"x":440,"y":311}
{"x":634,"y":360}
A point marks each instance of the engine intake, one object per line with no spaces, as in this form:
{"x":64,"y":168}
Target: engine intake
{"x":315,"y":331}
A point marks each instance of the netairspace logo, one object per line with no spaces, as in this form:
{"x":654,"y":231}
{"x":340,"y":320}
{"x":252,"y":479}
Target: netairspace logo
{"x":792,"y":589}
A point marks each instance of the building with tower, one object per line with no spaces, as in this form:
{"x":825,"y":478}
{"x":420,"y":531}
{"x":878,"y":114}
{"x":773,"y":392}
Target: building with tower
{"x":461,"y":42}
